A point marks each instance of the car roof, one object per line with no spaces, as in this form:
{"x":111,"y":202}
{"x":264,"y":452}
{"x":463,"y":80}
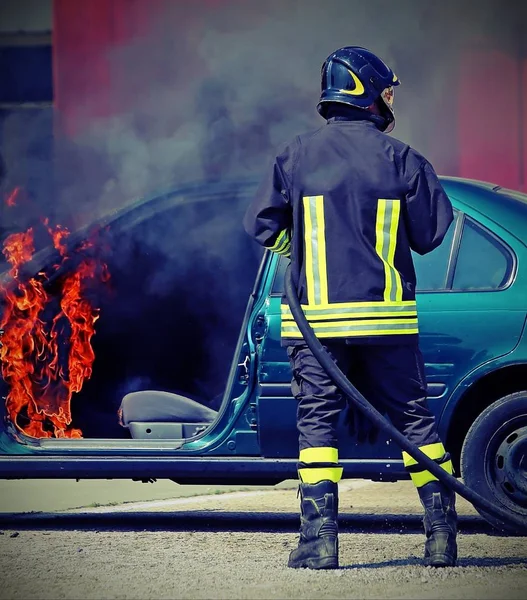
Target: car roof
{"x":506,"y":207}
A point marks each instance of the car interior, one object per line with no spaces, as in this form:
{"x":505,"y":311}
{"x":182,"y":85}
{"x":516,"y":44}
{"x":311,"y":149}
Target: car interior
{"x":168,"y":326}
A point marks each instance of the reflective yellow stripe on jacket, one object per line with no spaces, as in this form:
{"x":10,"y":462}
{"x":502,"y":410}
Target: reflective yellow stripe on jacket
{"x":392,"y":315}
{"x":315,"y":243}
{"x":388,"y":213}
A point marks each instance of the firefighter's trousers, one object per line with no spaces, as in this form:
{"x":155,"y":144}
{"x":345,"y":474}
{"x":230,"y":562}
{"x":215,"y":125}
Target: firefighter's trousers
{"x":391,"y":377}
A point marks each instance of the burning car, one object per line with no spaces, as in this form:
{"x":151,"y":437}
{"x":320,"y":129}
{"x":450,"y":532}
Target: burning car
{"x":132,"y":352}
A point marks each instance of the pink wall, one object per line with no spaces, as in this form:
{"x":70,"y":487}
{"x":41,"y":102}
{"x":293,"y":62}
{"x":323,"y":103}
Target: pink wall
{"x":84,"y":35}
{"x":492,"y":95}
{"x":523,"y":115}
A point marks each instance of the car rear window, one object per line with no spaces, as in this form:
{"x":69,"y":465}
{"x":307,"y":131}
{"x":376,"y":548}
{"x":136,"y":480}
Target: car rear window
{"x":483,"y":262}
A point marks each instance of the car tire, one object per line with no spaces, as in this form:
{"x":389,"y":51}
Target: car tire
{"x":494,"y":458}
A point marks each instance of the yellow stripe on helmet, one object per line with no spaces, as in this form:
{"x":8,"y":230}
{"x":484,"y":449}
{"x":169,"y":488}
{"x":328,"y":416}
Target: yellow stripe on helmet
{"x":359,"y":88}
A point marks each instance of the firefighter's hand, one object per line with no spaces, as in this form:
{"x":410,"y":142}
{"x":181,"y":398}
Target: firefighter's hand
{"x":360,"y":427}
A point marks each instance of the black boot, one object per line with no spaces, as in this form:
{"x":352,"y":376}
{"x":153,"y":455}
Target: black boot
{"x":440,"y":523}
{"x":318,"y":547}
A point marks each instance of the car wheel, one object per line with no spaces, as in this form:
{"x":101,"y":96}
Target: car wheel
{"x":494,"y":457}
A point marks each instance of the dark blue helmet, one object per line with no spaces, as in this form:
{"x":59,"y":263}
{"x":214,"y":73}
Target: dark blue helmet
{"x":356,"y":77}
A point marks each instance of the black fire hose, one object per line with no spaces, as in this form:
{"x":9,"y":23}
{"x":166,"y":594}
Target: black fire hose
{"x":377,"y":418}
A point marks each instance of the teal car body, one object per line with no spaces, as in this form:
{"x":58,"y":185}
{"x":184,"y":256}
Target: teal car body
{"x":472,"y":299}
{"x":472,"y":302}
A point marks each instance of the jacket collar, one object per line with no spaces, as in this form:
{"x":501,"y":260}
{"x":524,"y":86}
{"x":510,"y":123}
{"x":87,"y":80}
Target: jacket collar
{"x":351,"y":114}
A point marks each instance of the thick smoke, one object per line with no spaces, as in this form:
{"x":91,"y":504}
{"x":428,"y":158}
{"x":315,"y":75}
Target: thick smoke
{"x":206,"y":95}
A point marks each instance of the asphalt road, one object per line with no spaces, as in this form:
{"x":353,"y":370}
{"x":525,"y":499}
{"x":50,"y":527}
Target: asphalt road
{"x":235,"y":545}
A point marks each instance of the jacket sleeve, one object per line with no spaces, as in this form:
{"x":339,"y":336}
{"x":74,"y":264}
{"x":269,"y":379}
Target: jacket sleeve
{"x":269,"y":218}
{"x":428,"y":210}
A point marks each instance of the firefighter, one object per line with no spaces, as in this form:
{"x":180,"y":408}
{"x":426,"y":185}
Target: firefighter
{"x":347,"y":203}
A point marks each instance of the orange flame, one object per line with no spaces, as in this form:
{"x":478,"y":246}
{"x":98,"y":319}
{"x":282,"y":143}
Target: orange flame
{"x":41,"y":379}
{"x":58,"y":235}
{"x":11,"y":199}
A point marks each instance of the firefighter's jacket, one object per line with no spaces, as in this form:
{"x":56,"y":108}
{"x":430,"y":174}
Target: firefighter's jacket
{"x":347,"y":203}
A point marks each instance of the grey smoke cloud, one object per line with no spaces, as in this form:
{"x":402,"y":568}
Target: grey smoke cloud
{"x":212,"y":100}
{"x":208,"y":94}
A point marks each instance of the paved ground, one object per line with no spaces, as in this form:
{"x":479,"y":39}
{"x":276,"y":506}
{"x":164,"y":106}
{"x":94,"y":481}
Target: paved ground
{"x":56,"y":494}
{"x":236,"y":545}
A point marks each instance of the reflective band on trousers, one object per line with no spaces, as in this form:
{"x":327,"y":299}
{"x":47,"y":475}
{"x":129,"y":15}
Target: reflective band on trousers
{"x":321,"y":454}
{"x":316,"y":475}
{"x":435,"y":452}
